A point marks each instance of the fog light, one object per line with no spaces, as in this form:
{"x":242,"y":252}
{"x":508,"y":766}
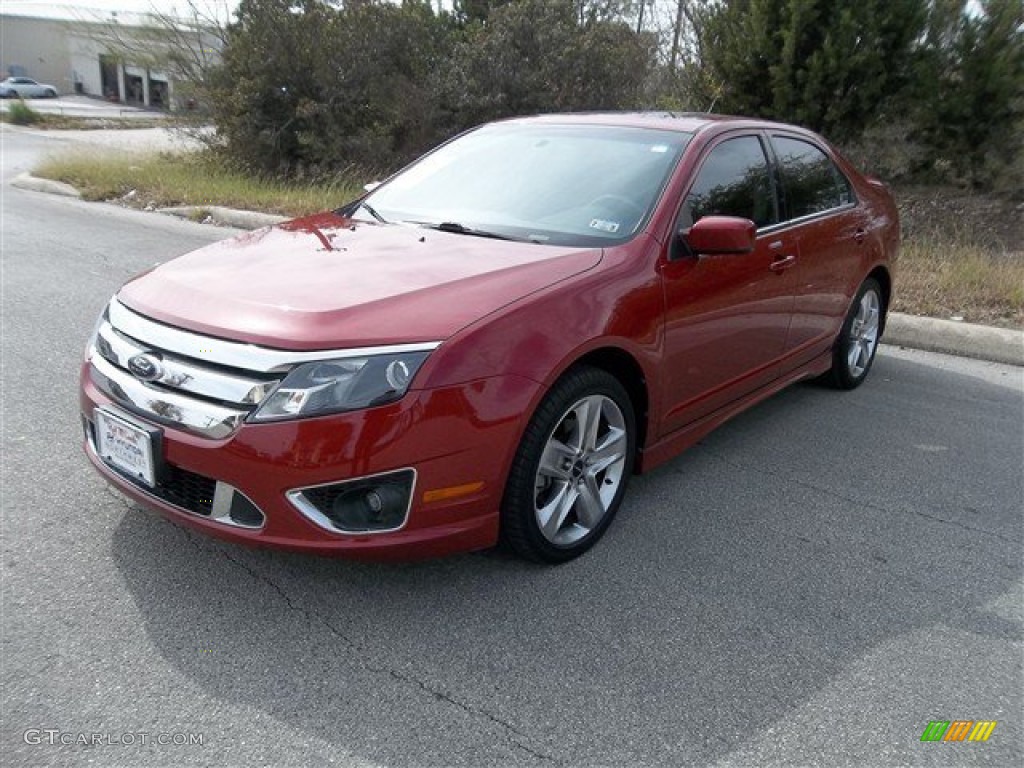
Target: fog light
{"x":366,"y":505}
{"x":368,"y":509}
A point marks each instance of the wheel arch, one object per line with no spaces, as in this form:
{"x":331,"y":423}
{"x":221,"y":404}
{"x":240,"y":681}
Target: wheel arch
{"x":881,"y":274}
{"x":627,"y":369}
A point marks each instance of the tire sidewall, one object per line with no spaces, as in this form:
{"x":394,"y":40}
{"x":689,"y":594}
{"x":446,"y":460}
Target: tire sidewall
{"x":840,"y":364}
{"x":519,"y":498}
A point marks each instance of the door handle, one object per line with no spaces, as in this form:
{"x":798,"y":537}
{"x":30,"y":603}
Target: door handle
{"x":782,"y":263}
{"x":860,"y":234}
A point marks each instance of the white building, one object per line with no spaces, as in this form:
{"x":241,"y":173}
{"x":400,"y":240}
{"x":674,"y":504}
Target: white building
{"x":122,"y":57}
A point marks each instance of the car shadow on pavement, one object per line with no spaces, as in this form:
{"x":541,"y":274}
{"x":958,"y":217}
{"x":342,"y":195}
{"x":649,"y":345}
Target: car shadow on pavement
{"x":823,"y":557}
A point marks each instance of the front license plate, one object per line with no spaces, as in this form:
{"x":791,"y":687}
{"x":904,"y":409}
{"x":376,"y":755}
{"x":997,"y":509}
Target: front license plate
{"x":124,"y":446}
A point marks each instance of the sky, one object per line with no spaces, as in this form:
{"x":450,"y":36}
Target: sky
{"x":86,"y":8}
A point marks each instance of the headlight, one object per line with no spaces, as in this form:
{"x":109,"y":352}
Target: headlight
{"x":330,"y":386}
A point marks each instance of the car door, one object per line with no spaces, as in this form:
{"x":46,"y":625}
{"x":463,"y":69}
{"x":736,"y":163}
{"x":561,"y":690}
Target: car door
{"x":819,"y":209}
{"x":25,"y":87}
{"x":726,"y":316}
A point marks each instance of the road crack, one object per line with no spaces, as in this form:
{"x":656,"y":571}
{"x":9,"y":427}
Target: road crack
{"x":362,"y":658}
{"x":121,"y":499}
{"x":511,"y":732}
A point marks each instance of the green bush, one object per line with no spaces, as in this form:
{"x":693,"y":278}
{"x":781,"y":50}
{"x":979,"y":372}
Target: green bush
{"x":968,"y":99}
{"x":21,"y":113}
{"x":307,"y":88}
{"x":830,"y":65}
{"x":922,"y":90}
{"x":534,"y":56}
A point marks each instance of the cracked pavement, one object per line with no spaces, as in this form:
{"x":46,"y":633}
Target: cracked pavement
{"x":811,"y":584}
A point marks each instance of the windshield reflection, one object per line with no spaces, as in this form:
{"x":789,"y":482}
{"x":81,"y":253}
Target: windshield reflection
{"x":582,"y":185}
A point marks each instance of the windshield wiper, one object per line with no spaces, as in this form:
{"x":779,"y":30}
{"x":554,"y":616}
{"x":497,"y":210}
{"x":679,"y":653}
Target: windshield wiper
{"x":369,"y":209}
{"x":462,"y":229}
{"x":349,"y":210}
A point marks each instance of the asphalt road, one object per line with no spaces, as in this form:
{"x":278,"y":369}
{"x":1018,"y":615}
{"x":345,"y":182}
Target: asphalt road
{"x":812,"y":584}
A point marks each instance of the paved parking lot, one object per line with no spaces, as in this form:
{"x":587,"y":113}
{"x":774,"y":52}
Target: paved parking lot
{"x":74,"y":105}
{"x":811,"y":584}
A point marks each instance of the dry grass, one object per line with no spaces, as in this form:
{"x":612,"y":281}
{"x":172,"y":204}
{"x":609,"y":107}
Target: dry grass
{"x":194,"y":178}
{"x":18,"y":115}
{"x":956,"y":279}
{"x":961,"y":255}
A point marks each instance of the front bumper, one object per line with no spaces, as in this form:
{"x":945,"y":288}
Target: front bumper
{"x":459,"y":440}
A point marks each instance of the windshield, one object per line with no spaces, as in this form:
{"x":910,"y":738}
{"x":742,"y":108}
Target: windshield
{"x":585,"y":185}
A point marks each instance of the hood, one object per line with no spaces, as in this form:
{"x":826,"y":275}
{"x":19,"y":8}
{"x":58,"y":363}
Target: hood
{"x":327,"y":282}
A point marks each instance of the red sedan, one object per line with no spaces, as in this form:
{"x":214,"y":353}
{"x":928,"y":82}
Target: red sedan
{"x":488,"y":345}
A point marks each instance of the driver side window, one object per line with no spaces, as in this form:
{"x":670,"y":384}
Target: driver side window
{"x":733,"y":180}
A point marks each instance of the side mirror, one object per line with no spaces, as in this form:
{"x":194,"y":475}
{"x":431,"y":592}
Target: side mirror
{"x":370,"y":186}
{"x":721,"y":234}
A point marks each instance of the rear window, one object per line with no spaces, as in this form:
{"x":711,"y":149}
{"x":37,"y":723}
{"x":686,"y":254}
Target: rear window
{"x":810,"y":180}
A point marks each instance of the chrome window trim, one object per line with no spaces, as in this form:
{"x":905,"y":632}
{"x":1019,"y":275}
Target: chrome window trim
{"x":203,"y":418}
{"x":236,"y":354}
{"x":778,"y":226}
{"x":314,"y":515}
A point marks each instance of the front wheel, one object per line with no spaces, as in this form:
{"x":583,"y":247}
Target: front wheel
{"x":855,"y":347}
{"x":51,"y":94}
{"x":570,"y":471}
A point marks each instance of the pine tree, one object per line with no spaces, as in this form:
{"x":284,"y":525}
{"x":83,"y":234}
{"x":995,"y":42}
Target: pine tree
{"x":970,"y":92}
{"x":830,"y":65}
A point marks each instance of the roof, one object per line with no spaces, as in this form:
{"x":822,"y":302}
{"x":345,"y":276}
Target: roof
{"x":688,"y":122}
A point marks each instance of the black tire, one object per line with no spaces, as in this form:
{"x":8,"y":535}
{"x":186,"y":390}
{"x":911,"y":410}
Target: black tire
{"x":51,"y":94}
{"x":583,"y":390}
{"x":849,"y":370}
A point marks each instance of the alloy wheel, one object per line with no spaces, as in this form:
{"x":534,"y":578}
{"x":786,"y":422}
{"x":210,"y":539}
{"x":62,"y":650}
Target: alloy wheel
{"x":863,"y":334}
{"x":580,"y":470}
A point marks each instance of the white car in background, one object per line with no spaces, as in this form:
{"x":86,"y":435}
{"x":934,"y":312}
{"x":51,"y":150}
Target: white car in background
{"x":25,"y":88}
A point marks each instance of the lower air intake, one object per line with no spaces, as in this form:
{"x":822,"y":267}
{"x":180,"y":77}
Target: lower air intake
{"x":365,"y":505}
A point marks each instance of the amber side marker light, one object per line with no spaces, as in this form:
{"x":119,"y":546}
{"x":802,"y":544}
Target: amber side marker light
{"x":451,"y":492}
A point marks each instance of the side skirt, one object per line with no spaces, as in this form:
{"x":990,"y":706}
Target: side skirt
{"x":676,"y":442}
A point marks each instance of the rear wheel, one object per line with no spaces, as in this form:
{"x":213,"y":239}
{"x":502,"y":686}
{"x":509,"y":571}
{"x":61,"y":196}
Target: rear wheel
{"x":855,"y":347}
{"x":571,"y":469}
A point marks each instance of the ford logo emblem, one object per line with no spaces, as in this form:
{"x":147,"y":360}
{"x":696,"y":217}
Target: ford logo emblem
{"x":145,"y":367}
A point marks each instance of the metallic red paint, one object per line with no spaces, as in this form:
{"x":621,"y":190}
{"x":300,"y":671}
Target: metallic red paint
{"x":701,"y":338}
{"x":715,"y":235}
{"x":324,"y":282}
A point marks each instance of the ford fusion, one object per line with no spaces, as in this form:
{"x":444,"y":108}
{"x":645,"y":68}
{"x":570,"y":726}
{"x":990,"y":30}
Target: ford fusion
{"x":489,"y":344}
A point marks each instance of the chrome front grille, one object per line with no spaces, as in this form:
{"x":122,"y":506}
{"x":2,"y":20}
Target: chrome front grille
{"x":182,"y":374}
{"x":191,"y":387}
{"x":201,"y":384}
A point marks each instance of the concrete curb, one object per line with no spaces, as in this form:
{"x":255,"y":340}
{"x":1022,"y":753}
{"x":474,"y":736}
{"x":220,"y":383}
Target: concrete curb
{"x":36,"y":184}
{"x":230,"y":217}
{"x":981,"y":342}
